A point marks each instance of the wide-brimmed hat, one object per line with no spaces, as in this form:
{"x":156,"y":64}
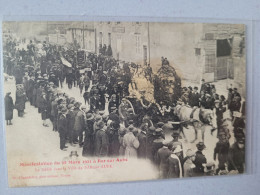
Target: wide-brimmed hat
{"x":89,"y":116}
{"x":208,"y":167}
{"x":100,"y":125}
{"x":63,"y":109}
{"x":158,"y":131}
{"x":122,"y":131}
{"x":130,"y":110}
{"x":151,"y":129}
{"x":177,"y":149}
{"x":190,"y":153}
{"x":101,"y":112}
{"x":131,"y":128}
{"x":83,"y":107}
{"x":98,"y":118}
{"x":200,"y":146}
{"x":70,"y":106}
{"x":77,"y":104}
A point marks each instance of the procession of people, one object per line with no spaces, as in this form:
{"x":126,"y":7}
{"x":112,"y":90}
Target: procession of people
{"x":113,"y":121}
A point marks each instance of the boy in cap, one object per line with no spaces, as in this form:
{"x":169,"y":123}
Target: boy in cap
{"x":221,"y":150}
{"x":200,"y":159}
{"x":219,"y":114}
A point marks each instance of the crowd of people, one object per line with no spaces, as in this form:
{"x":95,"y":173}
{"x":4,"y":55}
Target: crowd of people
{"x":132,"y":127}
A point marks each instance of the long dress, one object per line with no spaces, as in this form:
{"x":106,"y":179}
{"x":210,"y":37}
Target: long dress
{"x":9,"y":107}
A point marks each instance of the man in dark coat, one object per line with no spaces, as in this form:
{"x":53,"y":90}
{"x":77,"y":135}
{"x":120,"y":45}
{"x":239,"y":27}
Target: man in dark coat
{"x":161,"y":158}
{"x":221,"y":149}
{"x":20,"y":100}
{"x":150,"y":138}
{"x":101,"y":140}
{"x":199,"y":160}
{"x":219,"y":113}
{"x":70,"y":123}
{"x":141,"y":151}
{"x":88,"y":147}
{"x":79,"y":124}
{"x":236,"y":155}
{"x":157,"y":143}
{"x":113,"y":137}
{"x":31,"y":84}
{"x":9,"y":107}
{"x":62,"y":125}
{"x":194,"y":98}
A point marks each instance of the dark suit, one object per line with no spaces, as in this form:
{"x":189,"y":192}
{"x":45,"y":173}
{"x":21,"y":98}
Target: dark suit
{"x":141,"y":151}
{"x":199,"y":160}
{"x":194,"y":99}
{"x":62,"y":125}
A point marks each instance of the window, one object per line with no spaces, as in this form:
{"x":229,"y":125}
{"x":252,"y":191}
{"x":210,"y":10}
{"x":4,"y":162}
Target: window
{"x":137,"y":44}
{"x":223,"y":48}
{"x":210,"y":63}
{"x":209,"y":36}
{"x":197,"y":51}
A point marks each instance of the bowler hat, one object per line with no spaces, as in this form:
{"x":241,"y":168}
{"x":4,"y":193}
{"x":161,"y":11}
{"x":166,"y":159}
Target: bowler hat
{"x":160,"y":124}
{"x":177,"y":149}
{"x":200,"y":146}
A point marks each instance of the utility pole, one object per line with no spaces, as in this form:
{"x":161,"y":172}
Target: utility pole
{"x":149,"y":47}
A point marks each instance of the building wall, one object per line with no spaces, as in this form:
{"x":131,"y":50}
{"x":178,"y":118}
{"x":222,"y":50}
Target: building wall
{"x":127,"y":39}
{"x":175,"y":41}
{"x":236,"y":67}
{"x":85,"y":38}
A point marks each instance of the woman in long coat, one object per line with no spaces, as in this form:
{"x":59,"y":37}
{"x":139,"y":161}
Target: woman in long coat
{"x":130,"y":143}
{"x":88,"y":147}
{"x":9,"y":107}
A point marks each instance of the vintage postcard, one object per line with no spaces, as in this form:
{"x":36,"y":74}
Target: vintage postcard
{"x":91,"y":102}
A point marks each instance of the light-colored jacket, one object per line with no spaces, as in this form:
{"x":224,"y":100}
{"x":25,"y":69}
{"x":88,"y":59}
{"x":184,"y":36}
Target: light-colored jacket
{"x":130,"y":143}
{"x":188,"y":168}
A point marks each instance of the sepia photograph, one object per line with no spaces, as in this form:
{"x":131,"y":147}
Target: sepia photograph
{"x":110,"y":101}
